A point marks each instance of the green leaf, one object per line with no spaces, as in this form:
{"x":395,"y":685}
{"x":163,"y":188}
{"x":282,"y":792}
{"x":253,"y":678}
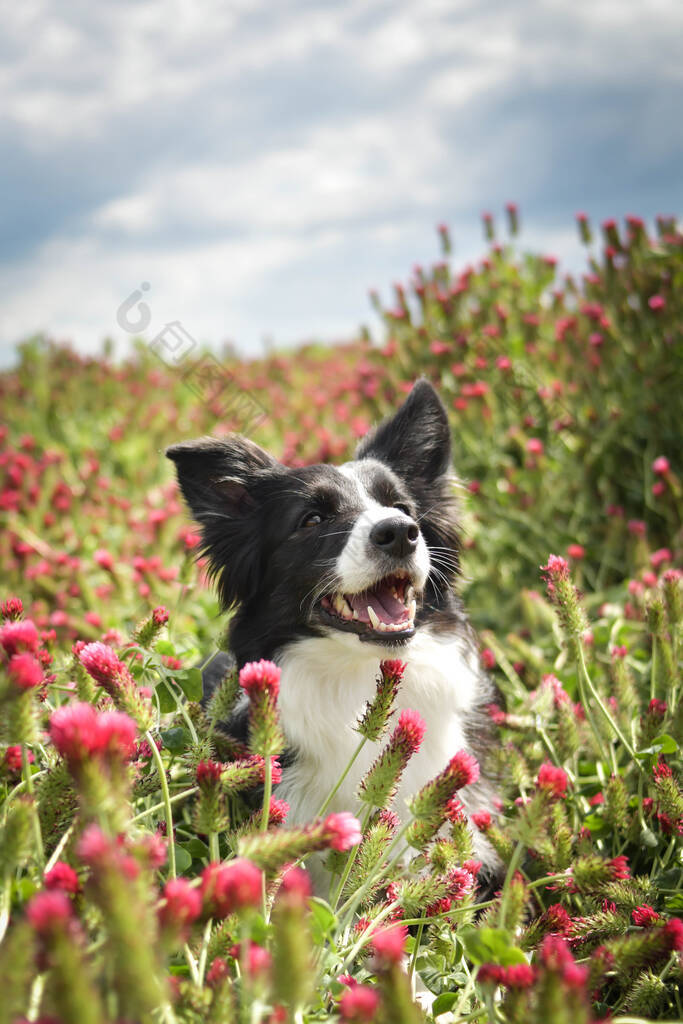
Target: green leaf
{"x":443,"y":1003}
{"x":190,"y":683}
{"x":490,"y":945}
{"x":164,"y":647}
{"x":183,"y":860}
{"x":324,"y":920}
{"x":176,"y":740}
{"x":167,"y":701}
{"x":595,"y":823}
{"x":665,"y":744}
{"x":674,"y":902}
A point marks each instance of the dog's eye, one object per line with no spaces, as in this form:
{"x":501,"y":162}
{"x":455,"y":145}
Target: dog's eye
{"x":310,"y":519}
{"x":402,"y":508}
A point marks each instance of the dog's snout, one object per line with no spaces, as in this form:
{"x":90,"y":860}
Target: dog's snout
{"x":395,"y":536}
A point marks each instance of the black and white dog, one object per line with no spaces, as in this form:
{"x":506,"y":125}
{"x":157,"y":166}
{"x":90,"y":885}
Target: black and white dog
{"x":332,"y":569}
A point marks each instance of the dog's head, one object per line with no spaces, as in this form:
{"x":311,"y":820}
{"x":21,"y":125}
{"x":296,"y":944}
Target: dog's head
{"x":362,"y":548}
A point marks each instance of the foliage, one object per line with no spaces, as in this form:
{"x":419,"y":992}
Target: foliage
{"x":136,"y":883}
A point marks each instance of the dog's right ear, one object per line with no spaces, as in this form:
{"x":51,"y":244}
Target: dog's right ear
{"x":218,"y":479}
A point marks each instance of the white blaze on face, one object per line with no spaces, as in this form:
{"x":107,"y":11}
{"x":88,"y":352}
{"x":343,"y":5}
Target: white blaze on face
{"x":355,"y":568}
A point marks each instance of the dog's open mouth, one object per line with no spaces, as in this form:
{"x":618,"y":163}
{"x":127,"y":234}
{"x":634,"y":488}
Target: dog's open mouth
{"x":385,"y":611}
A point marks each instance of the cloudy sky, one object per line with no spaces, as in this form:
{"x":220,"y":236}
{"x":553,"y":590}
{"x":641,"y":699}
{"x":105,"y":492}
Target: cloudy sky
{"x":262,"y":165}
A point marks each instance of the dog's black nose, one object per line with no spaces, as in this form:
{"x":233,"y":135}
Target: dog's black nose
{"x":395,"y":536}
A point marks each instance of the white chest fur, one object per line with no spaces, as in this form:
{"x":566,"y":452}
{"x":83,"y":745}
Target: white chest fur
{"x":324,"y":687}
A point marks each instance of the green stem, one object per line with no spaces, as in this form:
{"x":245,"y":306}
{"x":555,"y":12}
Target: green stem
{"x":326,"y":803}
{"x":267,"y":791}
{"x":583,"y":673}
{"x":157,"y":807}
{"x":28,"y":779}
{"x":214,"y":850}
{"x":418,"y":940}
{"x":204,"y":950}
{"x":512,"y":867}
{"x":166,"y":796}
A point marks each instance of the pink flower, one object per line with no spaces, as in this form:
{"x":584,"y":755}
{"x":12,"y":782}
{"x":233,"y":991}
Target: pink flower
{"x":277,"y":811}
{"x":19,"y":636}
{"x":160,"y":615}
{"x":100,"y":662}
{"x":343,"y":831}
{"x":182,"y":904}
{"x":25,"y":671}
{"x":576,"y":551}
{"x":488,"y":658}
{"x":659,"y":557}
{"x":518,"y":976}
{"x":231,"y":886}
{"x":656,"y":302}
{"x":295,"y":886}
{"x":657,"y":708}
{"x":535,"y":446}
{"x":557,"y":568}
{"x":359,"y":1003}
{"x":73,"y":730}
{"x":464,"y":768}
{"x":116,"y":734}
{"x":556,"y":919}
{"x":49,"y":912}
{"x":661,"y":466}
{"x":217,"y":972}
{"x":12,"y":608}
{"x":393,"y":669}
{"x":409,"y":731}
{"x":482,"y":820}
{"x":552,"y":780}
{"x":104,"y":559}
{"x":62,"y":876}
{"x":455,"y":812}
{"x":388,"y":944}
{"x":93,"y":847}
{"x":644,"y":916}
{"x":12,"y":758}
{"x":260,"y":677}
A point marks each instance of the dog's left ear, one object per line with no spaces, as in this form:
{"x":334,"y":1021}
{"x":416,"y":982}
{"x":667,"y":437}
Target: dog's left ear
{"x":416,"y":441}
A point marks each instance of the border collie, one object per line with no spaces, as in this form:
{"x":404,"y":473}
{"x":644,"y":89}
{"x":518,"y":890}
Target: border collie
{"x":331,"y":570}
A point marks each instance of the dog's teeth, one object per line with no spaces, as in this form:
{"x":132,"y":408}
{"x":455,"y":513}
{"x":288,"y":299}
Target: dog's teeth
{"x":339,"y":602}
{"x":346,"y":609}
{"x":412,"y":608}
{"x":355,"y":614}
{"x":409,"y":595}
{"x":372,"y":615}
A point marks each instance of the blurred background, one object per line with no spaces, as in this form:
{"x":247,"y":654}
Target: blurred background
{"x":261,"y":166}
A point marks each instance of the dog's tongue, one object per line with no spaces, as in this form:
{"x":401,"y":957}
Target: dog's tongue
{"x":383,"y":603}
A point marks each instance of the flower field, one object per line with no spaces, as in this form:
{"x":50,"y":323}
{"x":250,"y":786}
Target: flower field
{"x":137,"y":881}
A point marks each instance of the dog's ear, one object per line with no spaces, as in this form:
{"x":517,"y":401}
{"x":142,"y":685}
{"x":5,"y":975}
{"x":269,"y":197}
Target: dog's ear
{"x":218,"y":479}
{"x":416,"y":441}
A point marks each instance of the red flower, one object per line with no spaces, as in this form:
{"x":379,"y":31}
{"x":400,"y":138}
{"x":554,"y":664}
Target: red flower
{"x":482,"y":819}
{"x":518,"y":976}
{"x":556,"y":919}
{"x":277,"y":811}
{"x":12,"y":758}
{"x":388,"y":944}
{"x":576,"y":551}
{"x":260,"y":677}
{"x":231,"y":886}
{"x":160,"y":615}
{"x":557,"y":568}
{"x":619,"y":867}
{"x":464,"y":768}
{"x":535,"y":446}
{"x":673,"y":931}
{"x":455,"y":812}
{"x":104,"y":559}
{"x":19,"y":636}
{"x":217,"y":972}
{"x":343,"y":831}
{"x":78,"y":732}
{"x":62,"y":876}
{"x":208,"y":773}
{"x":182,"y":904}
{"x":359,"y":1003}
{"x":661,"y":466}
{"x":552,"y":780}
{"x":49,"y":911}
{"x":100,"y":662}
{"x":656,"y":302}
{"x":12,"y":608}
{"x":488,"y":658}
{"x":409,"y":731}
{"x":116,"y":734}
{"x":392,"y":670}
{"x":295,"y":886}
{"x":25,"y":671}
{"x":644,"y":916}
